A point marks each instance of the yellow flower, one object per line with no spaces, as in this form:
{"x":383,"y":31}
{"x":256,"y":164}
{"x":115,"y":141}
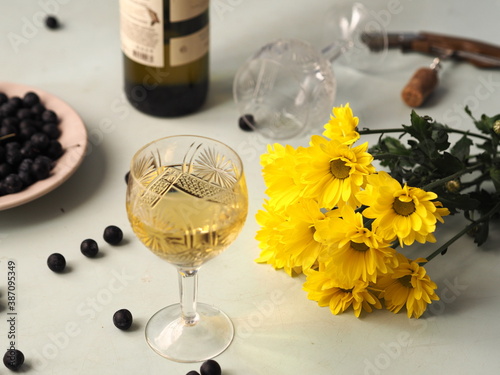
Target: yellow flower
{"x":408,"y":286}
{"x":323,"y":288}
{"x":355,"y":252}
{"x":280,"y":176}
{"x":333,"y":172}
{"x":342,"y":125}
{"x":287,"y":237}
{"x":298,"y":234}
{"x":407,"y":213}
{"x":269,"y":235}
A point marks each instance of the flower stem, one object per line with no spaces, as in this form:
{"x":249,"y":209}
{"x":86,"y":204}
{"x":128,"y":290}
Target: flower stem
{"x":467,"y":228}
{"x":442,"y":181}
{"x":399,"y":130}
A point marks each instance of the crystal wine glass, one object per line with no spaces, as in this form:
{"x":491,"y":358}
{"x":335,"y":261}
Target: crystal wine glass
{"x":187,"y":201}
{"x":288,"y":85}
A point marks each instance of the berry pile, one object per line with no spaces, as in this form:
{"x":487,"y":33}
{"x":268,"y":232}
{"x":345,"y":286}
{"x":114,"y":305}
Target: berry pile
{"x":29,"y":143}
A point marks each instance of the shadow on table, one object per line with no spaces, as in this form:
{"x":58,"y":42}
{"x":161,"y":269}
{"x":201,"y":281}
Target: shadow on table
{"x":220,"y":92}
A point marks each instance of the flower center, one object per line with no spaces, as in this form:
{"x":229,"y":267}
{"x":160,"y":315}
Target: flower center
{"x":406,"y":281}
{"x":339,"y":169}
{"x":359,"y":246}
{"x":403,"y":208}
{"x":347,"y":290}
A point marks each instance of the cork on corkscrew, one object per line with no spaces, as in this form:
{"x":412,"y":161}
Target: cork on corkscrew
{"x":423,"y":82}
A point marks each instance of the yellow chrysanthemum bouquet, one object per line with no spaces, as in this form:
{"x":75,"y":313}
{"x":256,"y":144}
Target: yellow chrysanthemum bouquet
{"x":343,"y":224}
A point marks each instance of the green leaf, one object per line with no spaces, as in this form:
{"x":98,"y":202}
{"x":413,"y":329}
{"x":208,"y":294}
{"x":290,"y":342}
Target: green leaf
{"x":420,"y":126}
{"x":461,"y":149}
{"x":394,"y":146}
{"x":481,"y":232}
{"x":440,"y":137}
{"x":428,"y":146}
{"x":458,"y":202}
{"x":447,"y":164}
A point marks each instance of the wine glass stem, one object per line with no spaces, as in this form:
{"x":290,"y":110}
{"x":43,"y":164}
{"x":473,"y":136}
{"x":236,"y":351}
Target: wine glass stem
{"x":188,"y":290}
{"x":332,"y":51}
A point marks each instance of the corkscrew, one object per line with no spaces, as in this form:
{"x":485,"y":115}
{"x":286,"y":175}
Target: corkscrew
{"x":443,"y":47}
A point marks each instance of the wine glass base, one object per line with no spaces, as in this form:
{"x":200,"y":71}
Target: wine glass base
{"x":169,"y":336}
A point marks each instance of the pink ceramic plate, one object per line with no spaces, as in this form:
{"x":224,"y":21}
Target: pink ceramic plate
{"x":73,"y":140}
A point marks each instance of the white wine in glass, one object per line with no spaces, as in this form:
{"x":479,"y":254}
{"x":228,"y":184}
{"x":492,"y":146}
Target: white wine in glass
{"x":187,"y":201}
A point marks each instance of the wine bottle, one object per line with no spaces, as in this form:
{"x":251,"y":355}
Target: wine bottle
{"x":165,"y":45}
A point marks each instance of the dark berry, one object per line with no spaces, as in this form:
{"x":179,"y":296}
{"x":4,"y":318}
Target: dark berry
{"x":30,"y":99}
{"x":38,"y":110}
{"x":56,"y":262}
{"x":40,"y":171}
{"x":25,"y":165}
{"x":26,"y":178}
{"x":26,"y":129}
{"x":54,"y":150}
{"x":24,"y":113}
{"x":28,"y":151}
{"x":49,"y":116}
{"x":3,"y":98}
{"x":246,"y":123}
{"x":8,"y":109}
{"x":41,"y":167}
{"x":89,"y":248}
{"x":122,"y":319}
{"x":52,"y":130}
{"x":193,"y":373}
{"x":5,"y":170}
{"x":127,"y":175}
{"x":13,"y":359}
{"x":2,"y":154}
{"x":13,"y":184}
{"x":113,"y":235}
{"x":210,"y":367}
{"x":16,"y":102}
{"x":11,"y":121}
{"x":13,"y":155}
{"x":52,"y":22}
{"x":40,"y":141}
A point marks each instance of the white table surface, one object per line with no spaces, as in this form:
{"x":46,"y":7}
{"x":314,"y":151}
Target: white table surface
{"x":64,"y":323}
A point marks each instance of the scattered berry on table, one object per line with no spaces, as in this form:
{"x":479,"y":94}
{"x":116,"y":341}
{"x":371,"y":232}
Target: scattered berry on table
{"x":52,"y":22}
{"x":13,"y":359}
{"x":246,"y":122}
{"x":89,"y":248}
{"x":122,"y":319}
{"x":210,"y":367}
{"x":193,"y":373}
{"x":113,"y":235}
{"x":56,"y":262}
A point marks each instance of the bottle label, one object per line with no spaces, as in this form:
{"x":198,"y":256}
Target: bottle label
{"x":141,"y":31}
{"x":189,"y":48}
{"x":182,"y":10}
